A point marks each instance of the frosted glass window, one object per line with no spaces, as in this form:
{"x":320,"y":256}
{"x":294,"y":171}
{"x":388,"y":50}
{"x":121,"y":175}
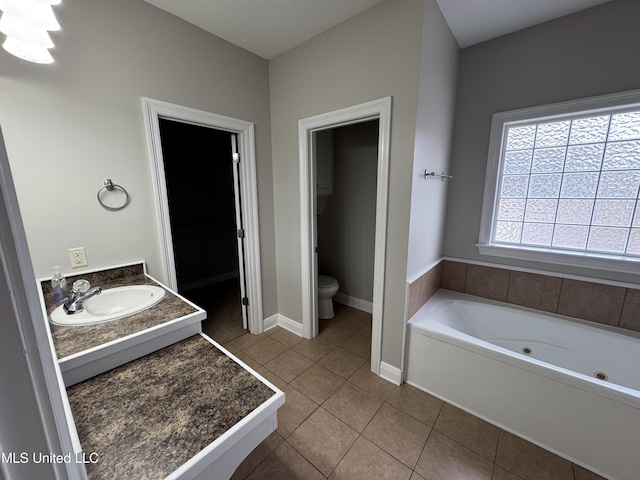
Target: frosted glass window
{"x":570,"y":236}
{"x":508,"y":232}
{"x":622,"y":156}
{"x":552,"y":134}
{"x":548,"y":160}
{"x":575,"y":211}
{"x":584,"y":157}
{"x":613,"y":212}
{"x":608,"y":239}
{"x":570,"y":182}
{"x":514,"y":186}
{"x":537,"y":234}
{"x":633,"y":246}
{"x":518,"y":161}
{"x":624,"y":126}
{"x":544,"y":186}
{"x":511,"y":209}
{"x":541,"y":210}
{"x":520,"y":138}
{"x":589,"y":130}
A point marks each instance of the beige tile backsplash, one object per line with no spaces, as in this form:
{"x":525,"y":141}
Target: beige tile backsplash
{"x":595,"y":302}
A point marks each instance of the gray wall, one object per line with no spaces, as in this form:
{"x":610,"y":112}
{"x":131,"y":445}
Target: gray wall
{"x":589,"y":53}
{"x":347,"y":226}
{"x":432,"y":150}
{"x":70,"y":125}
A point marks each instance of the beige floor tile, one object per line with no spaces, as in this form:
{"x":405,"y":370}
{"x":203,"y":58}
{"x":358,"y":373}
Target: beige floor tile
{"x":258,"y":454}
{"x":584,"y":474}
{"x":285,"y":464}
{"x":273,"y":330}
{"x":342,"y":362}
{"x":296,"y":409}
{"x":323,"y":440}
{"x":244,"y":357}
{"x":231,"y":347}
{"x":246,"y":340}
{"x":359,"y":345}
{"x":372,"y":383}
{"x":398,"y":434}
{"x":415,"y":476}
{"x":500,"y":473}
{"x":314,"y":349}
{"x":418,"y":404}
{"x":530,"y":461}
{"x":265,"y":350}
{"x":286,"y":338}
{"x":366,"y":461}
{"x":289,"y":365}
{"x":470,"y":431}
{"x":365,"y":331}
{"x":445,"y":459}
{"x":317,"y":383}
{"x":353,"y":406}
{"x":334,"y":333}
{"x":272,"y":377}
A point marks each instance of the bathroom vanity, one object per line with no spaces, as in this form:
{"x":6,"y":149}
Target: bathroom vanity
{"x":150,"y":396}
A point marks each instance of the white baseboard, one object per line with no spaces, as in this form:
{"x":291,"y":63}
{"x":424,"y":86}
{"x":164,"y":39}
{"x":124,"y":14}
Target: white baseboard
{"x":391,"y":373}
{"x":285,"y":322}
{"x":354,"y":302}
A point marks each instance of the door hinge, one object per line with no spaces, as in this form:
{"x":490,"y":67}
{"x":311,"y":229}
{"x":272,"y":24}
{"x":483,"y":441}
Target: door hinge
{"x":245,"y":301}
{"x":236,"y":157}
{"x":241,"y":233}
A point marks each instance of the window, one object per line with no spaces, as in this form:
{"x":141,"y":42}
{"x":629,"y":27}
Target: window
{"x":563,"y":184}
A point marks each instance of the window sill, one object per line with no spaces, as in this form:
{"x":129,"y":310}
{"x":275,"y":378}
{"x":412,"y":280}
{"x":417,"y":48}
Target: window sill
{"x":614,"y":263}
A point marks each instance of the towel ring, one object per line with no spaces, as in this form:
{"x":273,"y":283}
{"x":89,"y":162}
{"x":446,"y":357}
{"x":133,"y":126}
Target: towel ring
{"x":110,"y":186}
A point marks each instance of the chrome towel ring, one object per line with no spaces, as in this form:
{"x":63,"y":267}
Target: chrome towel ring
{"x":109,"y":186}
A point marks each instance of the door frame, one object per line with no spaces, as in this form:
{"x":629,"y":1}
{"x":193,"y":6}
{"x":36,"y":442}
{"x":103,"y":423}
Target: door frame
{"x":377,"y":109}
{"x":153,"y":111}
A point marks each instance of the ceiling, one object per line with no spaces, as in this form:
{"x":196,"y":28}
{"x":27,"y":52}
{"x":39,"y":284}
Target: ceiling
{"x":271,"y":27}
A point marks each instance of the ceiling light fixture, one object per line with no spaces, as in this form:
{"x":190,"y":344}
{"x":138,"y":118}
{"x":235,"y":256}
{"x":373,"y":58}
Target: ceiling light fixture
{"x":26,"y":24}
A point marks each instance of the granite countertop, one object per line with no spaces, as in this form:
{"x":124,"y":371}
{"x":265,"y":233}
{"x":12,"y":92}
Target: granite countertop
{"x":146,"y":418}
{"x":73,"y":339}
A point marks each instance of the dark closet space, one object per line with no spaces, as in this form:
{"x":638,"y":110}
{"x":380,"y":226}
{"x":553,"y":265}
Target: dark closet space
{"x":200,"y":187}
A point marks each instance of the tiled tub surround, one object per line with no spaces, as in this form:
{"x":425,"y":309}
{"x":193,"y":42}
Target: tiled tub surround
{"x":595,"y":302}
{"x":87,"y":350}
{"x":152,"y":416}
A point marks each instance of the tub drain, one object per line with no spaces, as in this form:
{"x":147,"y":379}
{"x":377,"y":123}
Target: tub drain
{"x":527,"y":350}
{"x":601,"y":376}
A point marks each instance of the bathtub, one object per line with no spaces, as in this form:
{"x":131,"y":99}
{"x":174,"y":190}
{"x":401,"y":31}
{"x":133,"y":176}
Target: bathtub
{"x":569,"y":386}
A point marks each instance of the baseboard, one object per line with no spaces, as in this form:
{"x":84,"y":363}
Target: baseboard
{"x":391,"y":373}
{"x":284,"y":322}
{"x":354,"y":302}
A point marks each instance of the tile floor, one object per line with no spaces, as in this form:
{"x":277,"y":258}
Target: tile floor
{"x":341,"y":422}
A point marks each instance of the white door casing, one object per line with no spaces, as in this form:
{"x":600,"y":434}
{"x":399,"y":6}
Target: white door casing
{"x":377,"y":109}
{"x":153,"y":111}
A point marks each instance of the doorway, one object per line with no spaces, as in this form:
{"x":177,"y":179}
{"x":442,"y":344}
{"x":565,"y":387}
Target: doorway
{"x":237,"y":138}
{"x":206,"y":223}
{"x":375,"y":110}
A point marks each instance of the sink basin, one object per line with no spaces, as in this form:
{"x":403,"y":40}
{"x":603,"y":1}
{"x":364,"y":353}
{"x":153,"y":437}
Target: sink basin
{"x":111,"y":304}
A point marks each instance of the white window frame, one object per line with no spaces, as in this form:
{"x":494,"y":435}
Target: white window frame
{"x":583,"y":107}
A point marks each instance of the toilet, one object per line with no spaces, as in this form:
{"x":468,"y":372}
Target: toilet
{"x":327,"y":288}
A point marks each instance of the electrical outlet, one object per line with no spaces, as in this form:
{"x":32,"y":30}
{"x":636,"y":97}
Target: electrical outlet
{"x":78,"y":257}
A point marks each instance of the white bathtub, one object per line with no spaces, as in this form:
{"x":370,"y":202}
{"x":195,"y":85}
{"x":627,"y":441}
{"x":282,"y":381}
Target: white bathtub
{"x":469,"y":352}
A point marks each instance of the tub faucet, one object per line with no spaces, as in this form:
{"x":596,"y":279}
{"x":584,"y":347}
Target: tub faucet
{"x":80,"y":294}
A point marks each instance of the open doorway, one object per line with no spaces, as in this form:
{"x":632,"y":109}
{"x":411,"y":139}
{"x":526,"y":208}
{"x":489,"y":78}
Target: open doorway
{"x":379,"y":110}
{"x":240,"y":135}
{"x":202,"y":192}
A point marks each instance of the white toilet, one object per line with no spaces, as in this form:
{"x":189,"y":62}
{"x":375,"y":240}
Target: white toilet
{"x":327,"y":288}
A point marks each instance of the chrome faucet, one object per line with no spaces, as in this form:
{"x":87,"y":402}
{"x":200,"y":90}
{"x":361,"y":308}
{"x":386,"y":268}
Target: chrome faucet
{"x":80,"y":294}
